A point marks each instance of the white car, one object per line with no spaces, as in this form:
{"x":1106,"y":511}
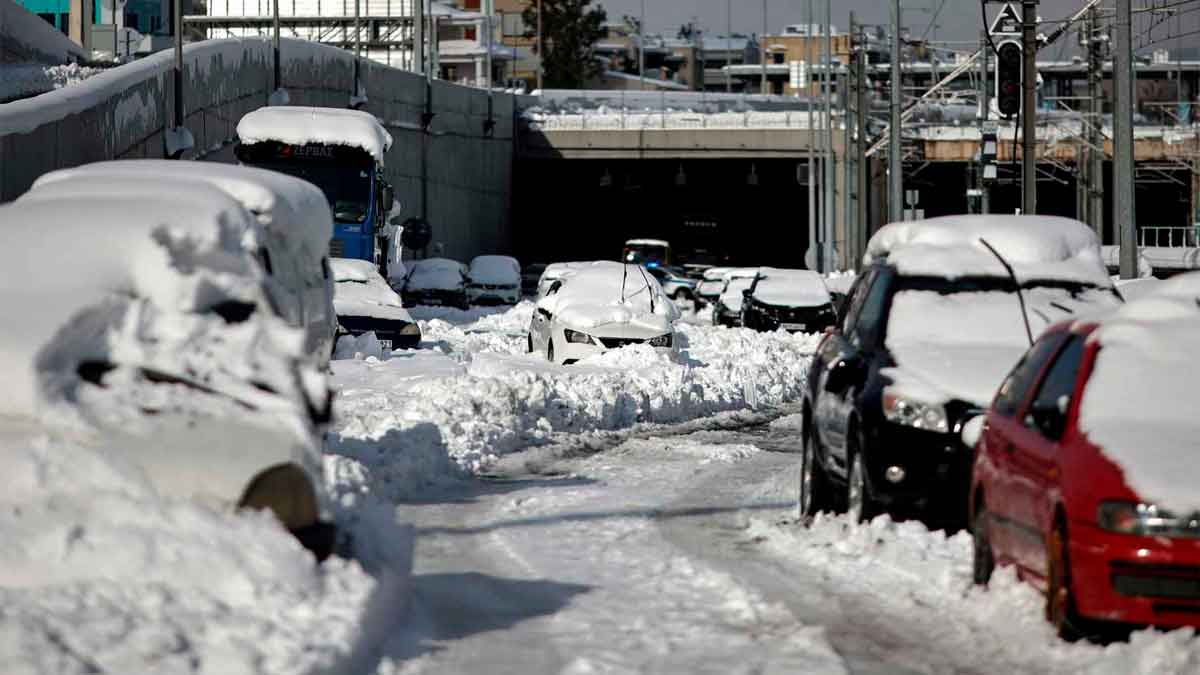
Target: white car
{"x":294,"y":215}
{"x":494,"y":280}
{"x":679,"y":287}
{"x":554,"y":272}
{"x":602,"y":307}
{"x":727,"y":310}
{"x":711,"y":283}
{"x":366,"y":304}
{"x":142,"y":328}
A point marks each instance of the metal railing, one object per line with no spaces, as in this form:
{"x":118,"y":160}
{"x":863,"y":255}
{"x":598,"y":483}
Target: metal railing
{"x":1169,"y":237}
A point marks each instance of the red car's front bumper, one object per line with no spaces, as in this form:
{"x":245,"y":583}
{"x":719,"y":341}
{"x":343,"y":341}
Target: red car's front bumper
{"x":1132,"y":579}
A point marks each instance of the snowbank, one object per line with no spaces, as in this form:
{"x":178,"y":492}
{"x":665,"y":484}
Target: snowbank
{"x":921,"y":580}
{"x":1140,"y":403}
{"x":22,"y":80}
{"x":405,"y":421}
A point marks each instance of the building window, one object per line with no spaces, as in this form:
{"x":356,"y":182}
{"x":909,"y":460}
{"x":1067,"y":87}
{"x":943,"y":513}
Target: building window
{"x":779,"y":57}
{"x":512,"y":25}
{"x":64,"y":23}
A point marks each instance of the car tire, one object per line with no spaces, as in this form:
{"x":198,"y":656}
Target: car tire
{"x":813,"y":491}
{"x":860,"y":503}
{"x":983,"y":558}
{"x":550,"y":352}
{"x":1060,"y":598}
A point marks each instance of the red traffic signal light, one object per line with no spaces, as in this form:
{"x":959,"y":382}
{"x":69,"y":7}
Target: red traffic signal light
{"x":1008,"y":78}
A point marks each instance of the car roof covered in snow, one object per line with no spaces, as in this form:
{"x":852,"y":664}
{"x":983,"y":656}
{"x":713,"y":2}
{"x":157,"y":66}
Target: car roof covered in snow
{"x":1139,"y":405}
{"x":648,"y":242}
{"x":1038,"y":248}
{"x":297,"y":125}
{"x":610,"y":292}
{"x":435,"y":273}
{"x":495,"y":269}
{"x":288,"y":206}
{"x":65,"y":254}
{"x":791,"y":288}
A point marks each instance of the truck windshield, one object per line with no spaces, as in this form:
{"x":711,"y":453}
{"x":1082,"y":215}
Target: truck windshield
{"x":348,"y":189}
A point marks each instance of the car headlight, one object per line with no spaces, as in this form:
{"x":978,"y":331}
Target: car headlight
{"x":410,"y":329}
{"x":660,"y":341}
{"x":575,"y":337}
{"x":912,"y":413}
{"x":1147,"y":520}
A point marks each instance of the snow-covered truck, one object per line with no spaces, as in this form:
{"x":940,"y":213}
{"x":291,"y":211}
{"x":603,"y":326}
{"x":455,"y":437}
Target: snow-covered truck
{"x":340,"y":151}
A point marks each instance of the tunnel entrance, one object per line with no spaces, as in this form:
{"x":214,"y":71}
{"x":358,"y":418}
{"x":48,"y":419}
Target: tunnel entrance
{"x":713,"y":211}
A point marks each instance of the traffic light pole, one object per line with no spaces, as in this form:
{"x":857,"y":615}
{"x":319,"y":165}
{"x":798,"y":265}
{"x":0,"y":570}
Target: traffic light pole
{"x":1029,"y":108}
{"x":895,"y":168}
{"x":1123,"y":167}
{"x":1095,"y":173}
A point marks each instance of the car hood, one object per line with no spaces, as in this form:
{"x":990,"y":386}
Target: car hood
{"x":938,"y":373}
{"x":613,"y":321}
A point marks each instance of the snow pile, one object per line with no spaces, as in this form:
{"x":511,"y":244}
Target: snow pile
{"x":921,"y":580}
{"x":364,"y":346}
{"x":1140,"y":403}
{"x":296,"y":125}
{"x":100,"y":574}
{"x":791,"y":288}
{"x":705,"y":452}
{"x":483,"y":397}
{"x":1038,"y":248}
{"x":22,"y":80}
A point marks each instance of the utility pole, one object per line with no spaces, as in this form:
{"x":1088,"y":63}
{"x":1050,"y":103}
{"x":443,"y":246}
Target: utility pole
{"x":812,"y":137}
{"x":277,"y":80}
{"x":895,"y":169}
{"x":1029,"y":108}
{"x":1095,"y":133}
{"x":766,"y":86}
{"x":1124,"y":195}
{"x":177,"y":75}
{"x":728,"y":46}
{"x":831,"y":153}
{"x":418,"y":41}
{"x":849,"y":103}
{"x":490,"y":10}
{"x":864,"y":162}
{"x":541,"y":47}
{"x":641,"y":45}
{"x":823,"y":158}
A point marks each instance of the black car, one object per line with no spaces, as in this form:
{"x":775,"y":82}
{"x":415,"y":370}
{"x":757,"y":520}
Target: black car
{"x":795,"y":300}
{"x":913,"y":358}
{"x":437,"y":282}
{"x":530,"y":276}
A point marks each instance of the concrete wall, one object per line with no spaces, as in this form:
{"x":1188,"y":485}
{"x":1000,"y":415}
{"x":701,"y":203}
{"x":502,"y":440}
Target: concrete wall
{"x":122,"y":113}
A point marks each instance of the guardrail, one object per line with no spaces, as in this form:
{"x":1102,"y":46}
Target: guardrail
{"x":1169,"y":237}
{"x":638,"y":120}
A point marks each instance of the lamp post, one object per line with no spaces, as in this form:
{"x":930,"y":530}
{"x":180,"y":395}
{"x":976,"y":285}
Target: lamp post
{"x":642,"y":46}
{"x":540,"y":49}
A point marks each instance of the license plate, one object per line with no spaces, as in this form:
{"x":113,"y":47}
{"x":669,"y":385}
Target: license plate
{"x":386,"y":344}
{"x":795,"y":326}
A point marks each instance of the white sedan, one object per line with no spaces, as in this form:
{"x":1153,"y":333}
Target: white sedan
{"x":494,"y":280}
{"x":602,"y":307}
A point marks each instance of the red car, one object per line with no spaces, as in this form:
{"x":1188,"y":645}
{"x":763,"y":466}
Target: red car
{"x":1092,"y":409}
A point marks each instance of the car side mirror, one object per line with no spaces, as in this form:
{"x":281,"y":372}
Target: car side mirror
{"x":840,"y":375}
{"x":387,"y":197}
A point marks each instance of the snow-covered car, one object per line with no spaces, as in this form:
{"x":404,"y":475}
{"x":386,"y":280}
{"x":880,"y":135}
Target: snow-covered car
{"x":602,"y":307}
{"x":727,"y":310}
{"x":1085,"y":475}
{"x":674,"y":283}
{"x":932,"y":325}
{"x":366,"y":304}
{"x":294,"y":216}
{"x":142,"y":328}
{"x":711,"y":284}
{"x":794,"y":300}
{"x":494,"y":280}
{"x":436,"y":282}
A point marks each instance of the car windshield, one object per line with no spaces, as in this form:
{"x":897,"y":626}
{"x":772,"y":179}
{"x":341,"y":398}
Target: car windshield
{"x":348,"y":189}
{"x":931,"y":310}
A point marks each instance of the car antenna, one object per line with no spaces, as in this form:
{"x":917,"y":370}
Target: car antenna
{"x":649,"y":291}
{"x":1020,"y":295}
{"x":624,"y":276}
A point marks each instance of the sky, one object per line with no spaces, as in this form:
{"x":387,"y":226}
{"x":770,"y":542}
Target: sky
{"x":959,"y":20}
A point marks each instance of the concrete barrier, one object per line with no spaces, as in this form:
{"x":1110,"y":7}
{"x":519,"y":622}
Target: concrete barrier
{"x":122,"y":113}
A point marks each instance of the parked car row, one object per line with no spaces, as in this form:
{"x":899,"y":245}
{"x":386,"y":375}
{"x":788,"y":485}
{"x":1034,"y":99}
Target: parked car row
{"x":190,"y":332}
{"x":442,"y":282}
{"x":1075,"y":465}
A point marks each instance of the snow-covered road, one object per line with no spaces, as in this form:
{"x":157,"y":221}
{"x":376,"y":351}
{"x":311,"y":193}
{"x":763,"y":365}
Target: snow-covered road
{"x":630,"y":514}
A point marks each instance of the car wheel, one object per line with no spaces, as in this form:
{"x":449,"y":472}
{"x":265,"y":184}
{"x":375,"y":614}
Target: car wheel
{"x":860,"y":503}
{"x":550,"y":352}
{"x":1060,"y":599}
{"x":813,"y":493}
{"x":984,"y":561}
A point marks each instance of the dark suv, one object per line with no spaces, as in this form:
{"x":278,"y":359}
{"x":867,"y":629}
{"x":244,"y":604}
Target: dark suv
{"x":913,"y":359}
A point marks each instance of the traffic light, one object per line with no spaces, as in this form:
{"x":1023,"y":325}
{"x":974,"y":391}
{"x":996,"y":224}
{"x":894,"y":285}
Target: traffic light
{"x":1009,"y":63}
